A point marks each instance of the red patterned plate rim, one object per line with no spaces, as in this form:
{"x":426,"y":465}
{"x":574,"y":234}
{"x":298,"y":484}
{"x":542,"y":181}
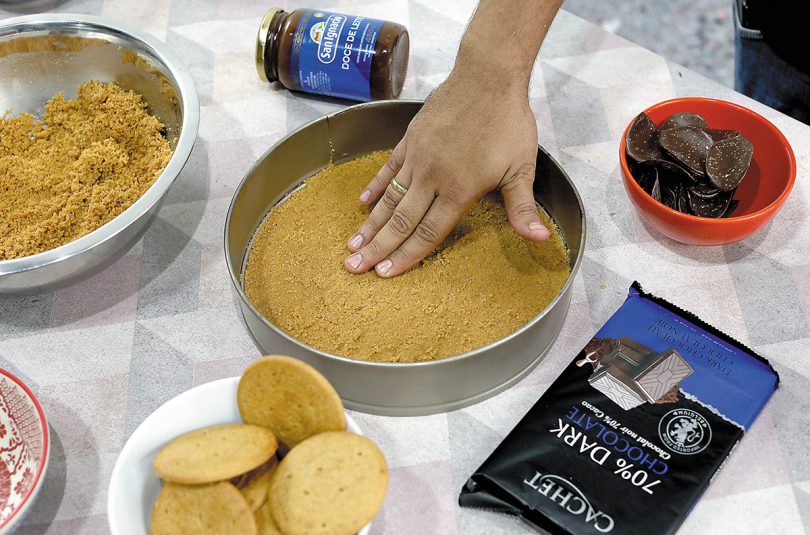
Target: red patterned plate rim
{"x":43,"y":458}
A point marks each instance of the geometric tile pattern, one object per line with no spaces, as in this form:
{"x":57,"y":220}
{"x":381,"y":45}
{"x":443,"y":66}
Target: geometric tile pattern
{"x":103,"y":354}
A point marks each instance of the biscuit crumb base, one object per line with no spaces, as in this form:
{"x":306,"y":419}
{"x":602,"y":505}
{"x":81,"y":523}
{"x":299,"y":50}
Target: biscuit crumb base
{"x":483,"y":283}
{"x":83,"y":163}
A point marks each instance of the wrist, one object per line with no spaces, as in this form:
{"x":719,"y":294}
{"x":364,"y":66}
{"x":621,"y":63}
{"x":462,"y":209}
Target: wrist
{"x":486,"y":70}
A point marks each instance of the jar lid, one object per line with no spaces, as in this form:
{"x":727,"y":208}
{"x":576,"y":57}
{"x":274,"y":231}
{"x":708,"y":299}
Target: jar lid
{"x":261,"y":42}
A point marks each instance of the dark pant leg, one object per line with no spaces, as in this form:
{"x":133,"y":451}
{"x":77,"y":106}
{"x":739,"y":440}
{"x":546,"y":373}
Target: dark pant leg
{"x":764,"y":76}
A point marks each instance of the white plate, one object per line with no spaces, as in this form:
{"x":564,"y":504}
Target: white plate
{"x":134,"y":485}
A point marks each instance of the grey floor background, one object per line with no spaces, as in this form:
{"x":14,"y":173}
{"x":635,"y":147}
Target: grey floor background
{"x":698,"y":34}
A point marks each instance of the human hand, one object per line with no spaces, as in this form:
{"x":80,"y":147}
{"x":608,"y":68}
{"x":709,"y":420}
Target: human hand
{"x":462,"y":144}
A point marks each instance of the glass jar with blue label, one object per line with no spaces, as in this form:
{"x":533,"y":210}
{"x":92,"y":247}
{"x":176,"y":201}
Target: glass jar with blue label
{"x":332,"y":54}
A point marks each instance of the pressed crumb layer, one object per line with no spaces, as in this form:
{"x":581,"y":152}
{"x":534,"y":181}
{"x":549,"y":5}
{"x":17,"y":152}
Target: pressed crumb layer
{"x":84,"y":162}
{"x":482,"y":283}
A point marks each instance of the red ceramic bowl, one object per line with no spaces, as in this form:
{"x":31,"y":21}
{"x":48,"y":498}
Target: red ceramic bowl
{"x":24,"y":443}
{"x":762,"y":193}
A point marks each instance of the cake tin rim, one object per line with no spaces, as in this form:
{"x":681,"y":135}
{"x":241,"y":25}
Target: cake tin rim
{"x":69,"y":24}
{"x":236,"y":281}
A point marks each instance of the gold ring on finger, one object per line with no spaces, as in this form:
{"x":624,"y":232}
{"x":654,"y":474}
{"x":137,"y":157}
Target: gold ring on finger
{"x":398,"y":187}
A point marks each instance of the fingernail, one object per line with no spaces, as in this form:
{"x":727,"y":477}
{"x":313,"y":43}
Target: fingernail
{"x":384,"y":266}
{"x":541,"y":232}
{"x":354,"y":260}
{"x":356,"y":241}
{"x":365,"y":196}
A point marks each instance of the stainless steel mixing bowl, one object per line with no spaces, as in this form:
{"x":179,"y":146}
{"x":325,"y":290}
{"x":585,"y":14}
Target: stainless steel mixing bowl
{"x":41,"y":55}
{"x":395,"y":388}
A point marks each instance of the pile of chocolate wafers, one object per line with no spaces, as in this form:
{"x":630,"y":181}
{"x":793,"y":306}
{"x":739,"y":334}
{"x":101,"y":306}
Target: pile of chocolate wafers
{"x":686,"y":165}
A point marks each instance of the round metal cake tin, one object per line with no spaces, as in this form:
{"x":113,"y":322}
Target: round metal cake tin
{"x":396,"y":389}
{"x":41,"y":55}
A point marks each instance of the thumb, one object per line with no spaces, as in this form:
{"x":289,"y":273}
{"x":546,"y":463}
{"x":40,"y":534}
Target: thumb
{"x":521,"y":207}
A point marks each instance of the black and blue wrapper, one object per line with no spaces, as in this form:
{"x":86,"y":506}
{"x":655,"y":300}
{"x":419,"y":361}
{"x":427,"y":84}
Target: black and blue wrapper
{"x":631,"y":433}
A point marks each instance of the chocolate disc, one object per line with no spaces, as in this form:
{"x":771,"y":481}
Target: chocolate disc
{"x":713,"y":207}
{"x":670,"y":173}
{"x":688,"y":145}
{"x":642,"y":139}
{"x":632,"y":165}
{"x":728,"y":161}
{"x":686,"y":165}
{"x":655,"y":193}
{"x":731,"y":207}
{"x":683,"y":119}
{"x":669,"y":197}
{"x":683,"y":201}
{"x":720,"y":135}
{"x":705,"y":191}
{"x":646,"y":176}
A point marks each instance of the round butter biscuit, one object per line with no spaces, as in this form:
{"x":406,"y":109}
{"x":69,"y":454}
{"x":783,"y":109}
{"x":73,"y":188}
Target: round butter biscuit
{"x":215,"y":453}
{"x":255,"y":488}
{"x":289,"y":397}
{"x":216,"y":508}
{"x":264,"y":521}
{"x":330,"y":484}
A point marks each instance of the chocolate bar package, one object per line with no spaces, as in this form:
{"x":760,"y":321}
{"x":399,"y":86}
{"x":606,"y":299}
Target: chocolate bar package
{"x":631,"y":433}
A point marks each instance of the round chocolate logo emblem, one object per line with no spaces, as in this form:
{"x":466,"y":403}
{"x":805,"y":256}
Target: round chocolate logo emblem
{"x":684,"y":431}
